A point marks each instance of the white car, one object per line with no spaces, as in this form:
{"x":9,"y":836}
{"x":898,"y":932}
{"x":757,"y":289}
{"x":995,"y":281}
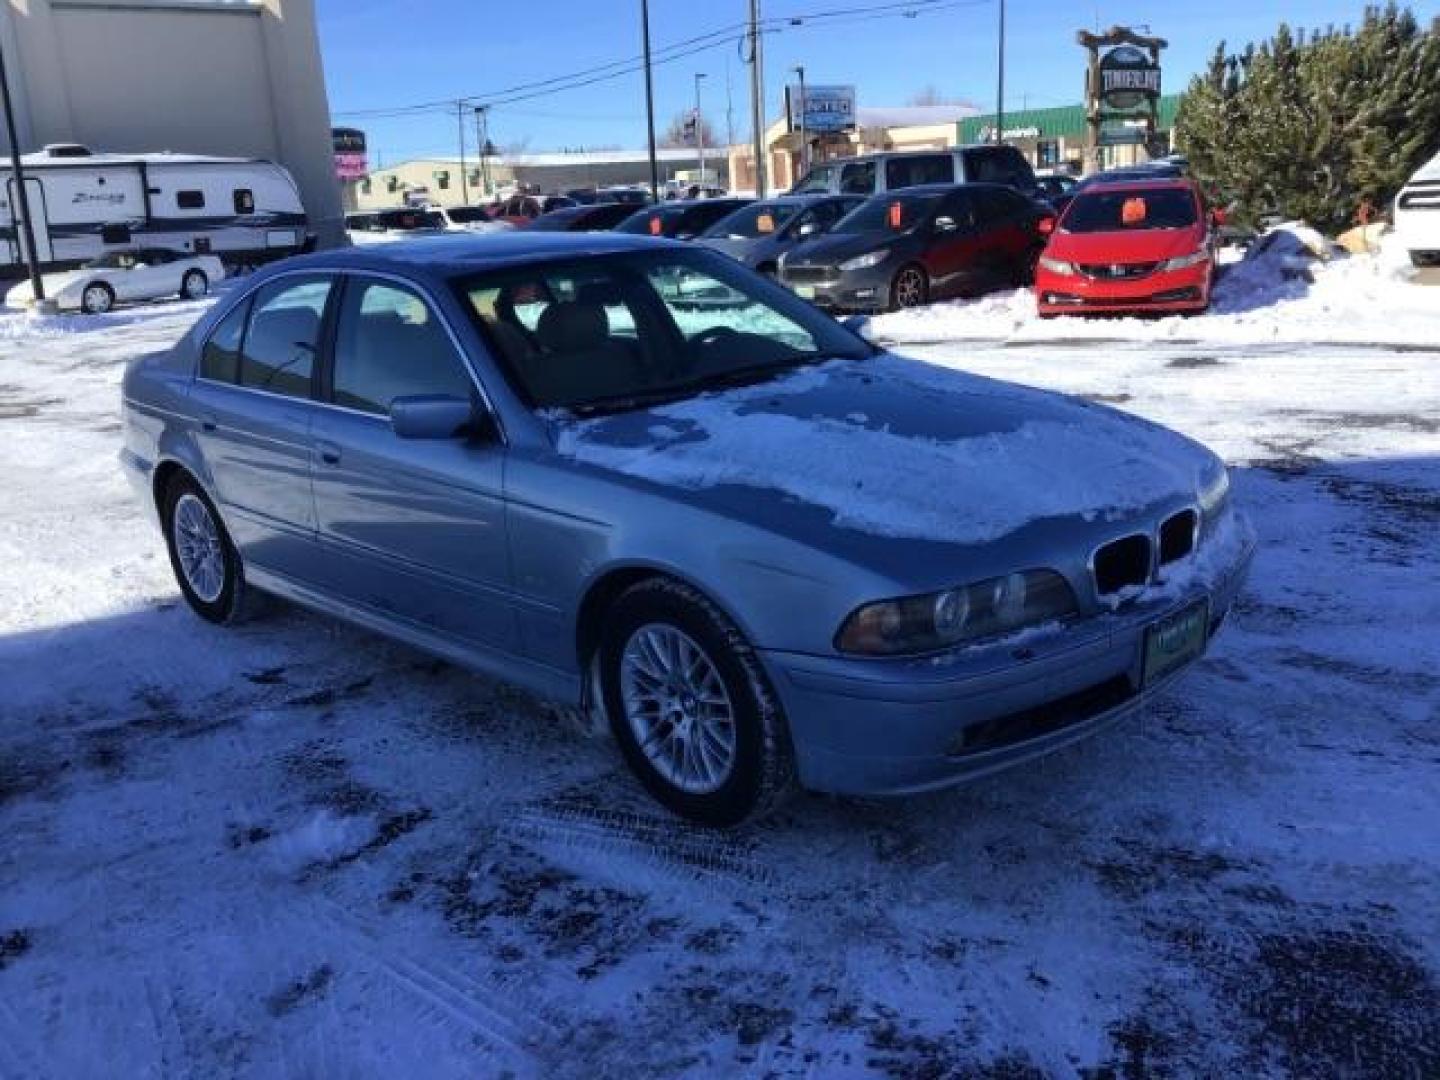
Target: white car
{"x":120,"y":276}
{"x":1417,"y":215}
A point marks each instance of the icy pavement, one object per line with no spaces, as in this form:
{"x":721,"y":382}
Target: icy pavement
{"x":293,"y":849}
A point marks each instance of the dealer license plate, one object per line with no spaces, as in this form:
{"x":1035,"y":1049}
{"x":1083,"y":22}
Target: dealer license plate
{"x":1174,"y":641}
{"x":805,"y":292}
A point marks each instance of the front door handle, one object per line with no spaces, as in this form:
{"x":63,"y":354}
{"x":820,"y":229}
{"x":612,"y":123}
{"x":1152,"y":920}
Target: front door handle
{"x":328,"y":451}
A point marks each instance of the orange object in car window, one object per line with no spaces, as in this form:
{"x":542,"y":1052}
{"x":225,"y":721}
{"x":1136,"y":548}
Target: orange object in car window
{"x":896,"y":213}
{"x":1133,"y":212}
{"x":765,"y":224}
{"x":655,"y":226}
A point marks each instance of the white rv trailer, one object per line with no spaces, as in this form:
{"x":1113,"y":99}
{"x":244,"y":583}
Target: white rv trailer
{"x":245,"y":211}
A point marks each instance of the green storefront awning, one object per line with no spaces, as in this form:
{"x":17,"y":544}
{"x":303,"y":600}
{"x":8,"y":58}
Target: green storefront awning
{"x":1064,"y":121}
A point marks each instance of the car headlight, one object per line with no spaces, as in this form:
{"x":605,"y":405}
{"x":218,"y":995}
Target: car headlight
{"x":864,"y":262}
{"x":1057,"y":266}
{"x":1214,"y":490}
{"x":921,"y":624}
{"x":1184,"y":262}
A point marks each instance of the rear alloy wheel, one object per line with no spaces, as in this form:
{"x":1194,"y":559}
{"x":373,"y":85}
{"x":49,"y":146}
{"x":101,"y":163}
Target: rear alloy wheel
{"x":909,"y":289}
{"x":690,"y":707}
{"x":97,"y":299}
{"x":206,"y":564}
{"x":194,"y":284}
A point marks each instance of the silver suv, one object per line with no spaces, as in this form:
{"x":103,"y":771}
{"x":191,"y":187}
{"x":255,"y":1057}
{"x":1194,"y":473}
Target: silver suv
{"x":871,"y":174}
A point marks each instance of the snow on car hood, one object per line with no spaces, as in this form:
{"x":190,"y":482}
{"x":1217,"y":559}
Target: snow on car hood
{"x":899,"y":448}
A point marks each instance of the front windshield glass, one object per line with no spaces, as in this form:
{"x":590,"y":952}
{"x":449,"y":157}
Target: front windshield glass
{"x":651,"y":221}
{"x":894,"y":212}
{"x":463,"y":215}
{"x":820,"y":178}
{"x":619,"y":331}
{"x":751,"y":222}
{"x":1126,"y":211}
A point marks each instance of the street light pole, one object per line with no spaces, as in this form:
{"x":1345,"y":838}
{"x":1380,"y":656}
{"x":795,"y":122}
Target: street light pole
{"x":804,"y":135}
{"x":649,"y":101}
{"x":1000,"y":91}
{"x":460,"y":128}
{"x":25,"y":230}
{"x":757,"y":97}
{"x":480,"y":149}
{"x":699,"y":128}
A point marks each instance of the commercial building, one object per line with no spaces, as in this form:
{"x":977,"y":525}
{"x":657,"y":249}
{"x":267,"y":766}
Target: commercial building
{"x":442,"y":181}
{"x":232,"y":78}
{"x":905,"y":127}
{"x":1055,"y":138}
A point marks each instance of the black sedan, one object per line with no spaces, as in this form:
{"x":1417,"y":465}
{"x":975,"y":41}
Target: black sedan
{"x":600,"y":217}
{"x":905,"y":248}
{"x":679,"y":220}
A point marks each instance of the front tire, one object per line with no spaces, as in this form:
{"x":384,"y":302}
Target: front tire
{"x":97,"y":298}
{"x":206,"y":564}
{"x":910,"y":288}
{"x":690,"y":706}
{"x":194,"y":285}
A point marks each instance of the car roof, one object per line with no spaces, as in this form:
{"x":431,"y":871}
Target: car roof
{"x":1153,"y":183}
{"x":451,"y":254}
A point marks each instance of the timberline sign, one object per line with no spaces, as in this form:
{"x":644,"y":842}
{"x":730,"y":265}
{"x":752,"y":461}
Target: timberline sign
{"x":1128,"y":77}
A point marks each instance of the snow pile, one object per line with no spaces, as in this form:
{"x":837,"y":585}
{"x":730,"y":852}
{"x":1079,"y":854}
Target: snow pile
{"x":1068,"y":460}
{"x":1293,"y":286}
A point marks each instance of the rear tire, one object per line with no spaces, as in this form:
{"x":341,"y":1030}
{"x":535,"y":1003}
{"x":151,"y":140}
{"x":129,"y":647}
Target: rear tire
{"x":97,"y":298}
{"x":690,"y":706}
{"x":206,"y":564}
{"x":910,"y":288}
{"x":194,"y":285}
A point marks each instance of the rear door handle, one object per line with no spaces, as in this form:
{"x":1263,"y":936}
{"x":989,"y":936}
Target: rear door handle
{"x":328,"y":451}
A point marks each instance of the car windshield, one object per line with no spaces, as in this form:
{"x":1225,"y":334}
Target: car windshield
{"x":410,"y":219}
{"x":750,"y":222}
{"x":818,"y":179}
{"x":652,"y":221}
{"x":612,"y":332}
{"x":1130,"y":210}
{"x":894,"y":212}
{"x":110,"y":261}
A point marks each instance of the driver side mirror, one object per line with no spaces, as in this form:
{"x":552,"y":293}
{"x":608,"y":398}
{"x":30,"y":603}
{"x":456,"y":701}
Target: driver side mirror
{"x":808,"y":229}
{"x":1045,"y":226}
{"x":432,"y":416}
{"x":945,"y":224}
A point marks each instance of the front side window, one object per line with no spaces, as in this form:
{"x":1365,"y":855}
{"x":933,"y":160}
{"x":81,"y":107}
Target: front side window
{"x":190,"y":200}
{"x":283,"y":336}
{"x":858,"y":178}
{"x":389,"y":343}
{"x":220,"y":359}
{"x":901,"y":172}
{"x":617,"y":331}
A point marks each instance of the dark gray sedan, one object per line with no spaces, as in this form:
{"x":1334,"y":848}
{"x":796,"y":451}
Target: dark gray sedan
{"x":759,"y":234}
{"x":635,"y":477}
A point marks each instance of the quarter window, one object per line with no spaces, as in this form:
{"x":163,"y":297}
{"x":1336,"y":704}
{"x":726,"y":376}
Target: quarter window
{"x":284,"y":334}
{"x":220,"y":359}
{"x":244,"y":201}
{"x":901,"y":172}
{"x":190,"y":200}
{"x":389,"y":344}
{"x":858,"y":178}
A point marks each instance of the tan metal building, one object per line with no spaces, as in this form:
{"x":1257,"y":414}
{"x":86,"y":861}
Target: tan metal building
{"x":233,"y":78}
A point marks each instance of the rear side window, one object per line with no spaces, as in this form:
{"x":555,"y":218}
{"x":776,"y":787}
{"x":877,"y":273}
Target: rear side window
{"x":190,"y":200}
{"x":220,"y":359}
{"x":244,"y":201}
{"x":903,"y":172}
{"x":283,"y":335}
{"x":858,"y":178}
{"x":997,"y":165}
{"x":993,"y":205}
{"x":389,"y":344}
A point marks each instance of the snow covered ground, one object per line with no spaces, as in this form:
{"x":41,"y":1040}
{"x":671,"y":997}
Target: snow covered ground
{"x":293,"y":849}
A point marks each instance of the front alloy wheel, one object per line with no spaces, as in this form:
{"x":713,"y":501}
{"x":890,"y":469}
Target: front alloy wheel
{"x":96,"y":299}
{"x":909,"y":289}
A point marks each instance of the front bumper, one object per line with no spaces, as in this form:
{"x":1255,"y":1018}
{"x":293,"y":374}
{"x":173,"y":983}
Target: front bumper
{"x":833,"y":289}
{"x":1164,"y":291}
{"x":893,"y":727}
{"x":1418,"y":231}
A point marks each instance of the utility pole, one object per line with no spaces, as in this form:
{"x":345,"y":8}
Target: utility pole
{"x":481,"y":149}
{"x":729,"y":107}
{"x":699,"y":128}
{"x":757,"y":97}
{"x":1000,"y":91}
{"x":804,"y":135}
{"x":460,"y":127}
{"x":20,"y":198}
{"x":650,"y":101}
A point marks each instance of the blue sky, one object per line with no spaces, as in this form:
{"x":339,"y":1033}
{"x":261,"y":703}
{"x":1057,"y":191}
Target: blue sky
{"x":380,"y":54}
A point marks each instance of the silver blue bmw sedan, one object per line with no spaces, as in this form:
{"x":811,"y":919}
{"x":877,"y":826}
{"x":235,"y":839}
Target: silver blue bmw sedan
{"x":635,"y":477}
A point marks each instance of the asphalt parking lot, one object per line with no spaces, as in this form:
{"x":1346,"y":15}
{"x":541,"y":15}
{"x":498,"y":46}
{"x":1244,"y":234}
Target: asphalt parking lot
{"x":293,"y":849}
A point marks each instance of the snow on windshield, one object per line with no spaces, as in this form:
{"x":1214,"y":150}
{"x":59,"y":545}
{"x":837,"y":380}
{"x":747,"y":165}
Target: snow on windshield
{"x":1071,"y":460}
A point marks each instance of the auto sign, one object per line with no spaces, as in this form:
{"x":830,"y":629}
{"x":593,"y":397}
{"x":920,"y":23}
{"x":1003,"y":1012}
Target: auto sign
{"x":1128,"y":77}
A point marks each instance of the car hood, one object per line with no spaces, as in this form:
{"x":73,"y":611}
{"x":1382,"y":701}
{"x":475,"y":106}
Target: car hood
{"x":1149,"y":245}
{"x":742,"y":249}
{"x":837,"y":247}
{"x":869,"y":458}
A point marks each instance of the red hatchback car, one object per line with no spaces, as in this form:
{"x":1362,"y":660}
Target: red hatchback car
{"x":1130,"y":247}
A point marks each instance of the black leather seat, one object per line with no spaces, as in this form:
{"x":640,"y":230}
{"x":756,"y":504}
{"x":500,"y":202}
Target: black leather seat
{"x":578,"y":358}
